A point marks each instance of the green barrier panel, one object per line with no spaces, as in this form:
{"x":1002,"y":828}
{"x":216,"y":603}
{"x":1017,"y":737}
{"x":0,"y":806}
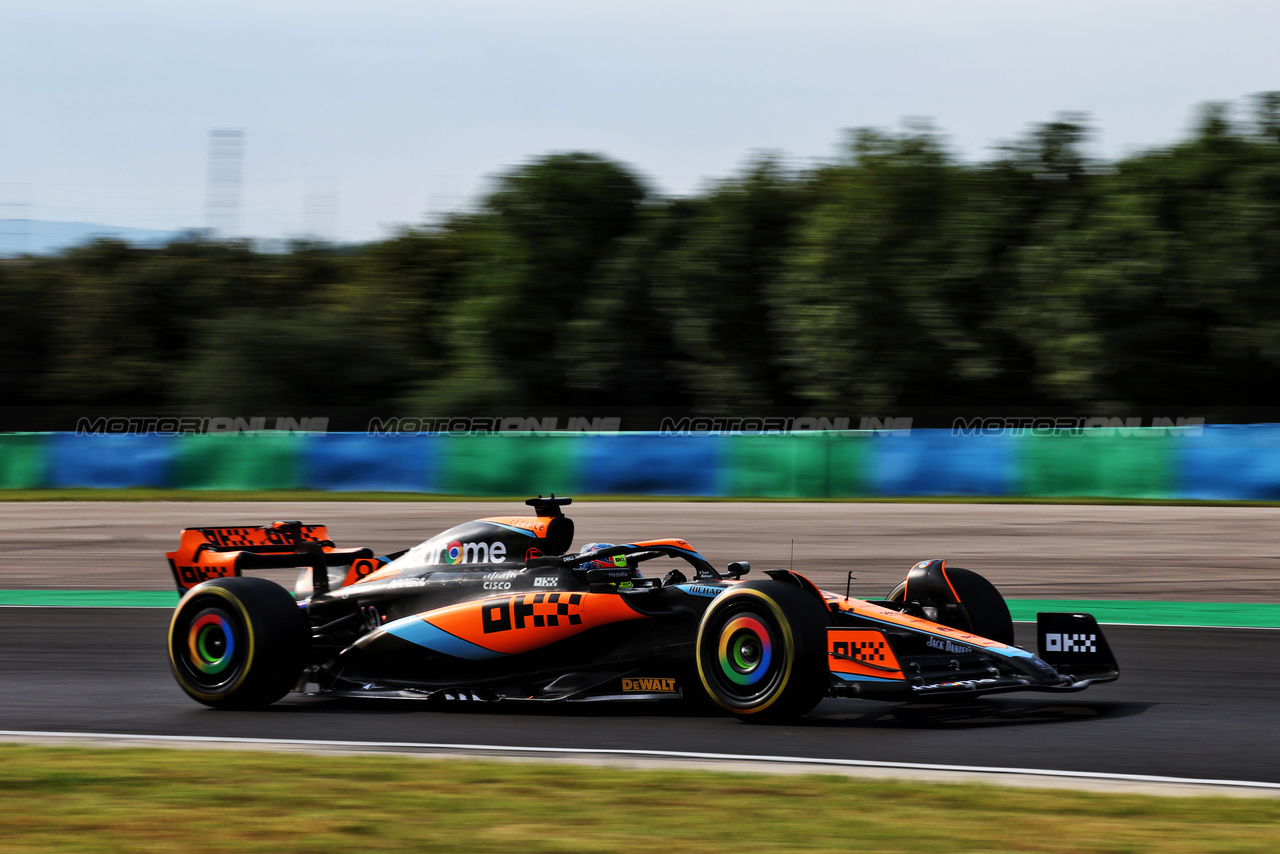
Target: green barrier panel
{"x":794,"y":466}
{"x":1098,"y":462}
{"x":240,"y":461}
{"x":24,"y":460}
{"x":1224,"y":614}
{"x":512,"y":464}
{"x":849,"y":464}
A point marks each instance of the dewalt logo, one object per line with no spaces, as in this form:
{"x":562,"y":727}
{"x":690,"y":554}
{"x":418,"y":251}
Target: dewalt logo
{"x":649,"y":686}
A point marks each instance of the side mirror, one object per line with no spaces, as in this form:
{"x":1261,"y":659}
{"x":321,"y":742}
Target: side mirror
{"x":738,"y":568}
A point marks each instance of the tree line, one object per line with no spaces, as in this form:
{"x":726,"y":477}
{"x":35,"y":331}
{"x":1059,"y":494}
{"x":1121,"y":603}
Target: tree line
{"x":895,"y":275}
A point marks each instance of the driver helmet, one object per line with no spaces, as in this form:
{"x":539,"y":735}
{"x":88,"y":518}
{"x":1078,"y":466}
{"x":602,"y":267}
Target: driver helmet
{"x":603,"y":563}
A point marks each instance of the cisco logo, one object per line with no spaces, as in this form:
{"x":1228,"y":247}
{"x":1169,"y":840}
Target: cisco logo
{"x":1070,"y":643}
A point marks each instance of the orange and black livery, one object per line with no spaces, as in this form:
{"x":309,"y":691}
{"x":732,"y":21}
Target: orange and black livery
{"x":503,"y":608}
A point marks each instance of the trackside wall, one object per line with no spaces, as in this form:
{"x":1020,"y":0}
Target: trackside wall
{"x":1240,"y":462}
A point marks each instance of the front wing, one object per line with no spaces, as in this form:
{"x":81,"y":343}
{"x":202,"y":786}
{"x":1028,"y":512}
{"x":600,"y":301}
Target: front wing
{"x":879,"y":653}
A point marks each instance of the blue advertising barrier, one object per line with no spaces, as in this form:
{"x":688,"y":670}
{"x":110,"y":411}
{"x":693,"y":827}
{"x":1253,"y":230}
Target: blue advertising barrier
{"x":651,"y":464}
{"x":936,"y":462}
{"x":1221,"y":462}
{"x":111,"y":461}
{"x":1230,"y":461}
{"x":351,"y":462}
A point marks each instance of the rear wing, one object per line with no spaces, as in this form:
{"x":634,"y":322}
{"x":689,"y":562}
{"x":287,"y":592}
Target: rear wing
{"x":205,"y":553}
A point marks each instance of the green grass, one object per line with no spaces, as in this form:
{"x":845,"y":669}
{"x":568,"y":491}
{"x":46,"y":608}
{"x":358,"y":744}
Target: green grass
{"x":141,"y":494}
{"x":140,"y":800}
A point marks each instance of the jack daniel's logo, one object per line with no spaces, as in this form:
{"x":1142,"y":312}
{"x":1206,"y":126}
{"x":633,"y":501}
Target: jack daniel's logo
{"x":947,"y":646}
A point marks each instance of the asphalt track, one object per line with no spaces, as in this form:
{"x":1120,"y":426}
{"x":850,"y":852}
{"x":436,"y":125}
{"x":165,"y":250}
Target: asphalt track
{"x":1188,"y":554}
{"x":1191,"y":703}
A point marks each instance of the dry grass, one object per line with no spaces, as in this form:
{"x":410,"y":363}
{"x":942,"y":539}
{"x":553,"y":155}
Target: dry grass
{"x":95,"y":800}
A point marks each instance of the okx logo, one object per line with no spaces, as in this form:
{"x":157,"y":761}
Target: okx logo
{"x":859,"y":650}
{"x":531,"y":610}
{"x":1081,"y":642}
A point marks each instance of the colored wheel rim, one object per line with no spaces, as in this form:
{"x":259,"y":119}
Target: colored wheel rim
{"x":211,"y":643}
{"x":208,"y":646}
{"x":745,"y":659}
{"x":746,"y":650}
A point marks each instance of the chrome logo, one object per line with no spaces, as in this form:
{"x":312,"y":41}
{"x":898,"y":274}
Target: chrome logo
{"x":745,"y":650}
{"x":211,"y":643}
{"x":453,"y":553}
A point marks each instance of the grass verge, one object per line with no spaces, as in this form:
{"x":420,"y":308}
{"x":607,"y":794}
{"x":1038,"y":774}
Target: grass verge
{"x":142,"y":800}
{"x":143,"y":494}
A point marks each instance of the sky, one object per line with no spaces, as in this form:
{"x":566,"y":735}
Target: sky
{"x":359,"y":118}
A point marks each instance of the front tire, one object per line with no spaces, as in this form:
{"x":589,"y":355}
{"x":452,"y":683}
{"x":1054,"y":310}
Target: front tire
{"x":238,"y":643}
{"x":986,"y":611}
{"x":761,"y":651}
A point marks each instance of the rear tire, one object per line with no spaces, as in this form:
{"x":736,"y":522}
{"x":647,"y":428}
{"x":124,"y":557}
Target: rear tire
{"x":761,"y":651}
{"x":238,"y":643}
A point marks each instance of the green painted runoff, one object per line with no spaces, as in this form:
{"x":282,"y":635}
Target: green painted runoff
{"x":1114,"y":612}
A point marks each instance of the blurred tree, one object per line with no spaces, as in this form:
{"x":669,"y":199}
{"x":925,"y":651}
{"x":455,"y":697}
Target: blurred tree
{"x":1267,"y":115}
{"x":317,"y":327}
{"x":684,"y":315}
{"x":107,"y":348}
{"x":862,"y":312}
{"x":30,"y":305}
{"x":1164,"y":291}
{"x":896,"y":276}
{"x":621,"y":346}
{"x":539,"y":242}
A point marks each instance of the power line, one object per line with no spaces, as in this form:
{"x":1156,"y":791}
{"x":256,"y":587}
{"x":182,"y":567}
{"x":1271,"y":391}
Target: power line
{"x":15,"y":219}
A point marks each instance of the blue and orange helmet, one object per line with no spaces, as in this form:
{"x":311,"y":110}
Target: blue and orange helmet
{"x":616,"y":562}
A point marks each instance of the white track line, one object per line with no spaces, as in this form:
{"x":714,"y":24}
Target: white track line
{"x":588,"y":753}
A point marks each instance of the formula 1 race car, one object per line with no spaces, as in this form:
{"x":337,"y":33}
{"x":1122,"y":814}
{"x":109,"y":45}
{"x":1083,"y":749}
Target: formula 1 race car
{"x":498,"y":609}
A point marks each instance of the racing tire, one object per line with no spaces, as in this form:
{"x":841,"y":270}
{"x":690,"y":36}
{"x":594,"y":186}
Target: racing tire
{"x":987,"y":611}
{"x":761,"y":651}
{"x":238,"y":643}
